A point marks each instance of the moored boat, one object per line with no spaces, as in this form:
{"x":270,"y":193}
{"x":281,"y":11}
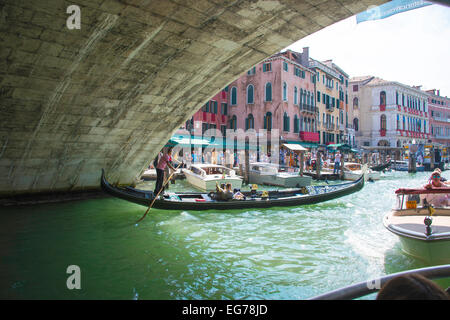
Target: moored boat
{"x":252,"y":199}
{"x":206,"y":176}
{"x":353,"y":171}
{"x":423,"y":230}
{"x":381,"y":167}
{"x":402,"y":165}
{"x":268,"y":174}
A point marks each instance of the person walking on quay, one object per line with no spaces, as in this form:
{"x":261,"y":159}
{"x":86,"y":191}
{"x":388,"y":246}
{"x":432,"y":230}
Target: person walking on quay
{"x":164,"y":161}
{"x":337,"y":162}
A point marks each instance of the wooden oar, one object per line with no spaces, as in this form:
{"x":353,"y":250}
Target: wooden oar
{"x":162,"y":188}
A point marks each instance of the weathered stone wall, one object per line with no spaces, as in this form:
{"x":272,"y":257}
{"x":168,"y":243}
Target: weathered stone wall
{"x":110,"y":94}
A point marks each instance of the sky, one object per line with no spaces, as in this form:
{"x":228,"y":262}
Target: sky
{"x":411,"y":47}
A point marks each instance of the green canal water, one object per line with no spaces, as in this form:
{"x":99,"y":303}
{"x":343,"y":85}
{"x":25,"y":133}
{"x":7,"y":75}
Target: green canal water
{"x":278,"y":253}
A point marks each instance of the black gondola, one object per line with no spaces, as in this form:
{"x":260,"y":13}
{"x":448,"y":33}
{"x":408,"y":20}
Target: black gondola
{"x":203,"y":201}
{"x":381,"y":167}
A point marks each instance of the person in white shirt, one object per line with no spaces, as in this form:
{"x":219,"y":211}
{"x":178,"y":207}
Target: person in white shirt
{"x":337,"y":162}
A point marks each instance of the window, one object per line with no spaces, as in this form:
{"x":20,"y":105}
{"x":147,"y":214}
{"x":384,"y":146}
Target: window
{"x":295,"y":95}
{"x":285,"y":66}
{"x":233,"y":96}
{"x":296,"y":122}
{"x":252,"y":71}
{"x":355,"y":103}
{"x":318,"y":96}
{"x":233,"y":122}
{"x":356,"y":124}
{"x":267,"y":67}
{"x":224,"y":109}
{"x":250,"y":98}
{"x":382,"y":98}
{"x":286,"y":122}
{"x":250,"y":122}
{"x":213,"y":107}
{"x":284,"y":91}
{"x":268,"y":121}
{"x":383,"y":122}
{"x":268,"y":91}
{"x":355,"y":88}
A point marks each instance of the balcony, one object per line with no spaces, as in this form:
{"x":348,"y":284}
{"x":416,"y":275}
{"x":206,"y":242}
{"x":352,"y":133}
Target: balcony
{"x":308,"y":108}
{"x":309,"y":136}
{"x":329,"y":108}
{"x":382,"y":107}
{"x":382,"y":132}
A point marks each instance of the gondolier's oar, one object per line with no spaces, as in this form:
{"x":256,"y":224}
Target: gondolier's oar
{"x":156,"y":196}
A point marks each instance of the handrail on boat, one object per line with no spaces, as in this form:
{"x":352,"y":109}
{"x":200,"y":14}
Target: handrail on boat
{"x":368,"y":287}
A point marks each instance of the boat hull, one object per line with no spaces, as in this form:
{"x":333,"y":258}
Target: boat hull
{"x":432,"y":252}
{"x":352,"y":176}
{"x":411,"y":230}
{"x":203,"y":201}
{"x":281,"y":180}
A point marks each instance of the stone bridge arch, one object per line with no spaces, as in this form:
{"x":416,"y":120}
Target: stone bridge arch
{"x":110,"y":94}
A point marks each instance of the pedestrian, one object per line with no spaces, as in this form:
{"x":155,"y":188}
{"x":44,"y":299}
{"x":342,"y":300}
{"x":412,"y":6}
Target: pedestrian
{"x":337,"y":162}
{"x":164,"y":161}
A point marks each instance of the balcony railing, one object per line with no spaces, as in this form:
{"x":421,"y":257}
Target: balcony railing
{"x":308,"y":108}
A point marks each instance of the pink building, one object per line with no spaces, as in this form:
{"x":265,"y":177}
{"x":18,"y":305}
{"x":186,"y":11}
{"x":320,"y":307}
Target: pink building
{"x":278,"y":93}
{"x":214,"y":114}
{"x":439,"y":112}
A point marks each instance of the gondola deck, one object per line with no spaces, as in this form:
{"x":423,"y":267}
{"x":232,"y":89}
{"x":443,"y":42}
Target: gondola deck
{"x":203,"y":201}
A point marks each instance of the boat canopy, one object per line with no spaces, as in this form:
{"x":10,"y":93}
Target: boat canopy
{"x":422,"y":191}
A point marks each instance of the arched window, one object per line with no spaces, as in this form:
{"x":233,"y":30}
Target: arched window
{"x":268,"y":121}
{"x":250,"y":95}
{"x":285,"y":93}
{"x":268,"y":91}
{"x":233,"y":96}
{"x":285,"y":122}
{"x":382,"y":98}
{"x":383,"y":122}
{"x":250,"y":122}
{"x":296,"y":123}
{"x":233,"y":122}
{"x":295,"y":95}
{"x":355,"y":103}
{"x":356,"y":124}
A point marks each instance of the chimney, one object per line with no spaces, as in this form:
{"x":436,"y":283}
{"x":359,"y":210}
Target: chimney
{"x":304,"y":58}
{"x":439,"y":93}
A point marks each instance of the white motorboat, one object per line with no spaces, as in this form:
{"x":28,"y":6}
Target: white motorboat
{"x":205,"y":176}
{"x":423,"y":230}
{"x":353,"y":170}
{"x":268,"y":174}
{"x":402,"y":165}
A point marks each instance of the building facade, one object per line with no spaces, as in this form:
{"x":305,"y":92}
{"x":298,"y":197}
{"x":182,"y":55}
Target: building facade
{"x":389,"y":113}
{"x":332,"y":101}
{"x":439,"y":117}
{"x":212,"y":115}
{"x":278,"y":93}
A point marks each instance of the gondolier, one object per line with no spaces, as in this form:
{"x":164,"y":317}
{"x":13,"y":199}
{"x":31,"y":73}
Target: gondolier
{"x":163,"y":161}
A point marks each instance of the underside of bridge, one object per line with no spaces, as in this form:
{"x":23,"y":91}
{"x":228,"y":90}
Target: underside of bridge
{"x":110,"y":94}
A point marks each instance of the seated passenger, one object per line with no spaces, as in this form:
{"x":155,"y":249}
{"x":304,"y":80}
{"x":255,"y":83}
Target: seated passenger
{"x":224,"y":193}
{"x":436,"y":199}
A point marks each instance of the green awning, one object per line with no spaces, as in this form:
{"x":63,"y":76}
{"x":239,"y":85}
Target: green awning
{"x":340,"y":146}
{"x":191,"y":141}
